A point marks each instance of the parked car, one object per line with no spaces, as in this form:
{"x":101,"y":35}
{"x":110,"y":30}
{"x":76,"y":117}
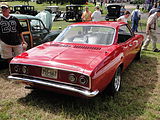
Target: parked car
{"x":73,"y":12}
{"x":35,"y":30}
{"x":24,"y":9}
{"x":83,"y":60}
{"x":114,"y":11}
{"x":54,"y":10}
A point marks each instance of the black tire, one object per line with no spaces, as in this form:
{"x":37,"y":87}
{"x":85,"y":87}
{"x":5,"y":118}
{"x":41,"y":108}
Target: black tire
{"x":4,"y":63}
{"x":107,"y":19}
{"x":65,"y":17}
{"x":138,"y":55}
{"x":115,"y":84}
{"x":66,"y":20}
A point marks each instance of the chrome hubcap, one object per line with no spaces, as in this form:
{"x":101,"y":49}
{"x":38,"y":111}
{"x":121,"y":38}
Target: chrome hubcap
{"x":117,"y":80}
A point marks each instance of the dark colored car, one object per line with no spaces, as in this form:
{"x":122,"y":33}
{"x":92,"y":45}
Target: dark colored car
{"x":113,"y":12}
{"x":54,"y":10}
{"x":73,"y":12}
{"x":35,"y":31}
{"x":24,"y":9}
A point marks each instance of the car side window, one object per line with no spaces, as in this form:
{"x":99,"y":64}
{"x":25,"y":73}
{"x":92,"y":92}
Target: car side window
{"x":124,"y":34}
{"x":24,"y":25}
{"x":36,"y":25}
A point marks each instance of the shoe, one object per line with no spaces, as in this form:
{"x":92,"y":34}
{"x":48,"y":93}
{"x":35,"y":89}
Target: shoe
{"x":156,"y":50}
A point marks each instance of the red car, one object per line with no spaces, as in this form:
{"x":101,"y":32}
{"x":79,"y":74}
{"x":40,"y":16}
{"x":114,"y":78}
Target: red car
{"x":83,"y":60}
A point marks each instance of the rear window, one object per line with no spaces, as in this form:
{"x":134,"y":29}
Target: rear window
{"x":87,"y":35}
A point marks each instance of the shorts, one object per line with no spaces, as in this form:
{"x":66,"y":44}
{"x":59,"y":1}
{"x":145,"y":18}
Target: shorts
{"x":10,"y":51}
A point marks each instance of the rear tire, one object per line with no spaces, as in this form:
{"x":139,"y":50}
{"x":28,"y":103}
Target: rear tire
{"x":138,"y":55}
{"x":115,"y":84}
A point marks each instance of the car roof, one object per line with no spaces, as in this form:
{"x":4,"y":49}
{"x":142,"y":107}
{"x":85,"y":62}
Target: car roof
{"x":113,"y":24}
{"x":23,"y":16}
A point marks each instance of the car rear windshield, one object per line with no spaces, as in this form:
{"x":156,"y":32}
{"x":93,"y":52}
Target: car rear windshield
{"x":99,"y":35}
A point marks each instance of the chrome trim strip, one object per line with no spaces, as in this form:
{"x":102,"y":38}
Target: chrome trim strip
{"x":51,"y":80}
{"x":60,"y":86}
{"x":51,"y":68}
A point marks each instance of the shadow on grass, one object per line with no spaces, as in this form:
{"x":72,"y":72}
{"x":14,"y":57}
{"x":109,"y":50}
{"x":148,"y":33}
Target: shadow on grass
{"x":139,"y":80}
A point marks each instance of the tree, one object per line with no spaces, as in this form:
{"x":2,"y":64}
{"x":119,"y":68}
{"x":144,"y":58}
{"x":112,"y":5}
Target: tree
{"x":27,"y":1}
{"x":78,"y":1}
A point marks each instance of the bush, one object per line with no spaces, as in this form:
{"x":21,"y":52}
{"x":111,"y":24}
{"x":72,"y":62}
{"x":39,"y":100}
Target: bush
{"x":138,"y":1}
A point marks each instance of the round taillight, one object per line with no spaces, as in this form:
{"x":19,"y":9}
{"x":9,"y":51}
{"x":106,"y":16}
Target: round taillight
{"x":24,"y":69}
{"x":83,"y":80}
{"x":72,"y":78}
{"x":16,"y":68}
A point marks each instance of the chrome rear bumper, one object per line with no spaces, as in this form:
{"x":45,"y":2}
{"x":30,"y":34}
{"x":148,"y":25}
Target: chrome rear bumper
{"x":57,"y":85}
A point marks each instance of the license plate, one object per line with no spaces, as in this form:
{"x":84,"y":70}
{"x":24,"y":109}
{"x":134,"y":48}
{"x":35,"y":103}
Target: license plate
{"x":50,"y":73}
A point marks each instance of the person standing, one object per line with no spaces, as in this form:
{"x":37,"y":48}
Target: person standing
{"x":122,"y":10}
{"x":96,"y":15}
{"x":151,"y":32}
{"x":10,"y":34}
{"x":124,"y":18}
{"x":135,"y":17}
{"x":86,"y":16}
{"x":153,"y":10}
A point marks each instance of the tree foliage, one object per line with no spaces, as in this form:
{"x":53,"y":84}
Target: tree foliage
{"x":63,"y":1}
{"x":78,"y":1}
{"x":139,"y":1}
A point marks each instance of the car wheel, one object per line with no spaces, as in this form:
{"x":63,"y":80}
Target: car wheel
{"x":66,"y":20}
{"x":107,"y":19}
{"x":17,"y":12}
{"x":65,"y":17}
{"x":138,"y":55}
{"x":115,"y":84}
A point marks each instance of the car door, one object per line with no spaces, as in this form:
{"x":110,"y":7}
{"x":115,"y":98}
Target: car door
{"x":38,"y":30}
{"x":125,"y":40}
{"x":134,"y":43}
{"x":26,"y":32}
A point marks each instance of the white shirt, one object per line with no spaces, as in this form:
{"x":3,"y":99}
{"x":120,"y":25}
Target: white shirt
{"x":138,"y":11}
{"x":122,"y":19}
{"x":96,"y":16}
{"x":152,"y":20}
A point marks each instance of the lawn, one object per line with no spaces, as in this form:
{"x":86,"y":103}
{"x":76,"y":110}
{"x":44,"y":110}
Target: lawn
{"x":139,"y":98}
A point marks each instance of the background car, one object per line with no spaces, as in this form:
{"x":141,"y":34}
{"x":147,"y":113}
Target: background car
{"x":83,"y":60}
{"x":114,"y":12}
{"x":54,"y":10}
{"x":73,"y":12}
{"x":24,"y":9}
{"x":35,"y":31}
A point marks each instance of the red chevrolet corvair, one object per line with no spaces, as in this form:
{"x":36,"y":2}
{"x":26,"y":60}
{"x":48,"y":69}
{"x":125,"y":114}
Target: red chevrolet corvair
{"x":83,"y":60}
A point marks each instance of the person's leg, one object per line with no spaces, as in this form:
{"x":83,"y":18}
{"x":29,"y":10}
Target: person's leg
{"x":136,"y":25}
{"x":154,"y":39}
{"x":18,"y":49}
{"x":133,"y":26}
{"x":6,"y":51}
{"x":146,"y":42}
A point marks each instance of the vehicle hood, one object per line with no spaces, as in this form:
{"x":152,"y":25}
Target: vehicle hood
{"x":78,"y":58}
{"x":46,"y":18}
